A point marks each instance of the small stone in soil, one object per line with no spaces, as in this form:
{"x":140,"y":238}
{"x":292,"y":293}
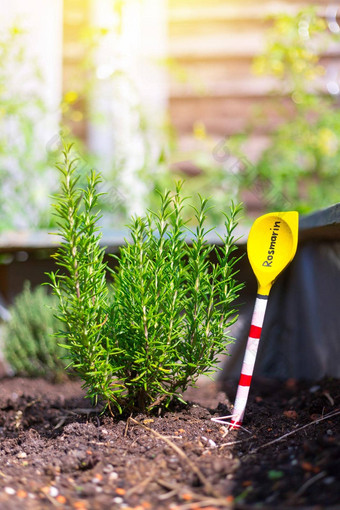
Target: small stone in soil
{"x":329,"y":480}
{"x":9,"y":491}
{"x":54,"y":492}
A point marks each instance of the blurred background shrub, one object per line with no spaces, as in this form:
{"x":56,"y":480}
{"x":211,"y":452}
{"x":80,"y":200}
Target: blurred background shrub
{"x":29,"y":345}
{"x":299,"y":168}
{"x":26,"y":177}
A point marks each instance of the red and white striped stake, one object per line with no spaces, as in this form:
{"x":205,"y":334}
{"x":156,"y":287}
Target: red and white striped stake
{"x":247,"y":370}
{"x":271,"y":246}
{"x":249,"y":360}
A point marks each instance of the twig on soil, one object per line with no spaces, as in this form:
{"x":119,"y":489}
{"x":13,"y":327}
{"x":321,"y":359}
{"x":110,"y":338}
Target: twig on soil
{"x":142,"y":485}
{"x":198,"y":500}
{"x":168,"y":495}
{"x":326,"y":417}
{"x":168,"y":485}
{"x":231,"y":443}
{"x":52,"y":500}
{"x":74,"y":412}
{"x":173,"y":488}
{"x":223,"y":503}
{"x":207,"y":485}
{"x":327,"y":395}
{"x":307,"y":484}
{"x":32,"y":403}
{"x":127,"y":426}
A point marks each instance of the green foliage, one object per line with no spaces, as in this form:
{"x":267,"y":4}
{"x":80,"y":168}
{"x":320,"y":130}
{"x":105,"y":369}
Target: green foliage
{"x":199,"y":168}
{"x":299,"y":168}
{"x":82,"y":289}
{"x":29,"y":345}
{"x":291,"y":53}
{"x":23,"y":155}
{"x":274,"y":474}
{"x":171,"y":305}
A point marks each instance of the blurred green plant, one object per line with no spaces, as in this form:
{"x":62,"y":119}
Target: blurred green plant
{"x":29,"y":343}
{"x":23,"y":157}
{"x":121,"y":114}
{"x":200,"y":169}
{"x":146,"y":146}
{"x":143,"y":157}
{"x":299,"y":169}
{"x":172,"y":306}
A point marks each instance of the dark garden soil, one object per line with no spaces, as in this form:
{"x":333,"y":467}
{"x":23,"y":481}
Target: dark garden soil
{"x":57,"y":452}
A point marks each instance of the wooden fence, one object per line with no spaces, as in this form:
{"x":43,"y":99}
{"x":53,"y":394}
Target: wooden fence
{"x":214,"y":44}
{"x":211,"y":47}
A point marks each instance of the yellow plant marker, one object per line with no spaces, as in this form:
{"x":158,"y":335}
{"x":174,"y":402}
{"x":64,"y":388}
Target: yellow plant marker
{"x":271,"y":246}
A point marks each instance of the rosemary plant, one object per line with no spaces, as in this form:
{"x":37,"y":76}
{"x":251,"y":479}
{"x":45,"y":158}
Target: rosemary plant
{"x":171,"y":305}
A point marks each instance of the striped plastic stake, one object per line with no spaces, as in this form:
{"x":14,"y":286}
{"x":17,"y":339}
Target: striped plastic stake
{"x":271,"y":246}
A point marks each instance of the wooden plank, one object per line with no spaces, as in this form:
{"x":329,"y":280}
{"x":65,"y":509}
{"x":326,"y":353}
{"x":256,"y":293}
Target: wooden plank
{"x":200,"y":28}
{"x":253,"y":87}
{"x":189,"y":144}
{"x":241,"y":4}
{"x":244,"y":44}
{"x":209,"y":12}
{"x":231,"y":77}
{"x":219,"y":44}
{"x":223,"y":116}
{"x":219,"y":68}
{"x":251,"y":12}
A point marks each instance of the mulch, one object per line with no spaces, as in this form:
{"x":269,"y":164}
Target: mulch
{"x":58,"y":452}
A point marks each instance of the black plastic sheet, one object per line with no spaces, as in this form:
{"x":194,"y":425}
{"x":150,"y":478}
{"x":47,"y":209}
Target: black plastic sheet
{"x":301,"y":332}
